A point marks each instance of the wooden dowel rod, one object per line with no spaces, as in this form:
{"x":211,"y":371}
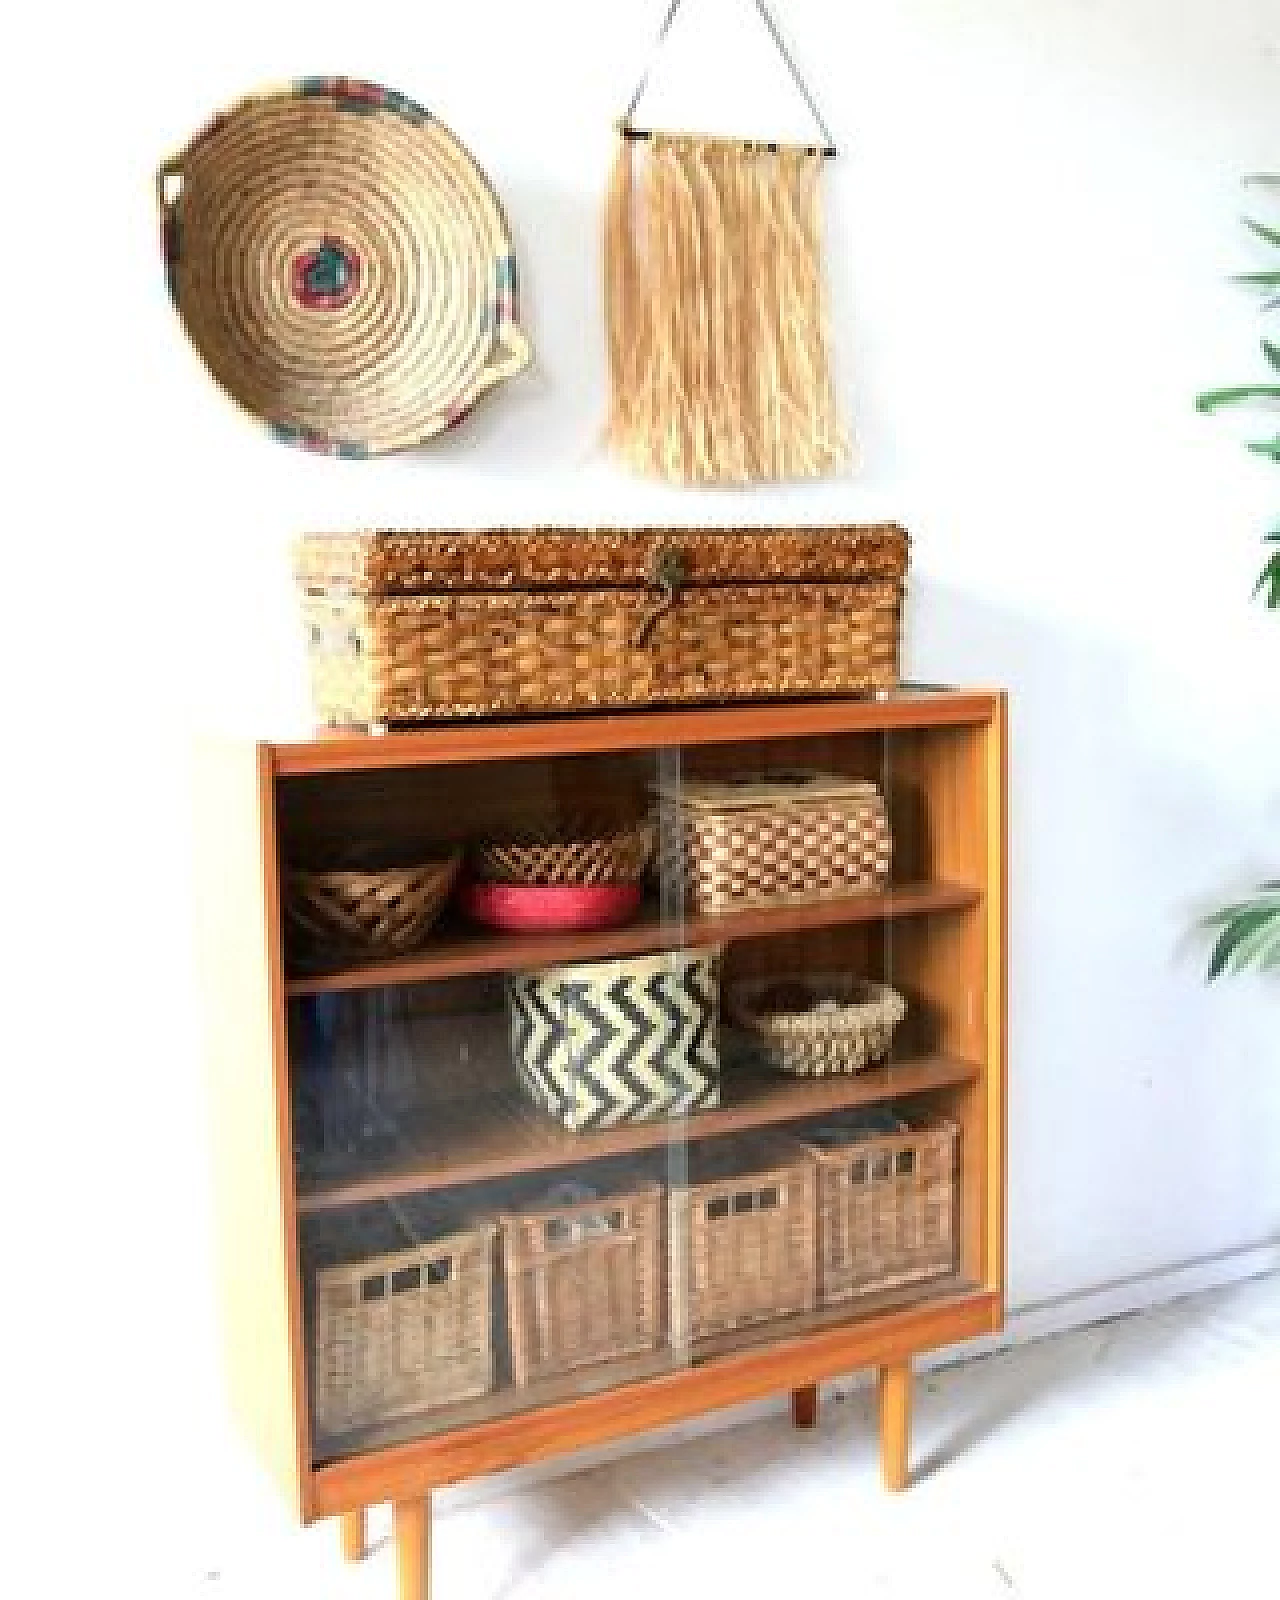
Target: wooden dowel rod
{"x":770,"y":145}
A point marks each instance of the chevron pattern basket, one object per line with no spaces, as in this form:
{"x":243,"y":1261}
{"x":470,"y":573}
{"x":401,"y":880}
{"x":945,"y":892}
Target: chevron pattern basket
{"x":631,"y":1040}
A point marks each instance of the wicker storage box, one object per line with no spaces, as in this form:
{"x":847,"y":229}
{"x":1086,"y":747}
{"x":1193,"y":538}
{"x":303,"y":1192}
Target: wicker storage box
{"x":583,"y":1278}
{"x":742,"y":1237}
{"x":400,"y":1311}
{"x":630,"y":1040}
{"x":411,"y":627}
{"x":778,"y":840}
{"x":887,"y":1203}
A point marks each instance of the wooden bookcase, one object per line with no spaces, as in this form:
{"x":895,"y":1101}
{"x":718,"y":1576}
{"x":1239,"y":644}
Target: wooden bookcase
{"x":938,"y":933}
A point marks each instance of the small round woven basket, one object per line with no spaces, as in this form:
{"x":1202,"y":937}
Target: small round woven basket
{"x":825,"y":1022}
{"x":342,"y":266}
{"x":353,"y":913}
{"x":578,"y":855}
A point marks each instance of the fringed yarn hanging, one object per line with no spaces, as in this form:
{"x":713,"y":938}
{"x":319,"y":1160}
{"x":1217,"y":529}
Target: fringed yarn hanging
{"x":715,"y":307}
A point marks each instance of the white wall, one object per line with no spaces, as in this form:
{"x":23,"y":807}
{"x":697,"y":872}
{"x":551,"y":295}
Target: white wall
{"x":1030,"y":228}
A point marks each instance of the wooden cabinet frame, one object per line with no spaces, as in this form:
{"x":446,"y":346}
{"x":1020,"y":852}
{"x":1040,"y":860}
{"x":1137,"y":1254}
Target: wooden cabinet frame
{"x":947,"y":925}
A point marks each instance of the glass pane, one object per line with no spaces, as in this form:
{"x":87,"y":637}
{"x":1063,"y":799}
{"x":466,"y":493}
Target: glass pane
{"x":534,"y":1163}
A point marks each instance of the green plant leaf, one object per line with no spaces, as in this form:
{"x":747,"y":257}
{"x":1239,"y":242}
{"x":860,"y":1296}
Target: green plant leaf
{"x":1268,"y":278}
{"x":1262,"y":231}
{"x":1267,"y":447}
{"x":1269,"y":580}
{"x":1250,"y":934}
{"x":1240,"y":394}
{"x":1272,"y":353}
{"x":1260,"y":947}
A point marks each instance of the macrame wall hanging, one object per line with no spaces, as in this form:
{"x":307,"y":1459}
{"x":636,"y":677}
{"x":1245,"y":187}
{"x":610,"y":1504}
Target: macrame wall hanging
{"x":715,"y":303}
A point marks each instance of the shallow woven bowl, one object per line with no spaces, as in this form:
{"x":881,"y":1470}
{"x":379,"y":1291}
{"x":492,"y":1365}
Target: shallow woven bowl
{"x":349,"y":913}
{"x":550,"y":907}
{"x":577,"y":855}
{"x":824,"y":1022}
{"x":342,"y":266}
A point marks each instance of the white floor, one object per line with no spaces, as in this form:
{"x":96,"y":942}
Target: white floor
{"x":1133,"y":1459}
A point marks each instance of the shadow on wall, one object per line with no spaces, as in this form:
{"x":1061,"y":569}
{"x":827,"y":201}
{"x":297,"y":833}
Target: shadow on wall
{"x":1144,"y":1106}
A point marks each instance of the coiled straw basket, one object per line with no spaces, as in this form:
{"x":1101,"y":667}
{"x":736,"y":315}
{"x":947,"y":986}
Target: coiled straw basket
{"x":342,"y":266}
{"x":825,"y":1022}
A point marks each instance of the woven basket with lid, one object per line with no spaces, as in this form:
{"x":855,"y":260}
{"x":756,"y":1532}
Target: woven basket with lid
{"x":341,"y":265}
{"x":413,"y":627}
{"x":776,"y":839}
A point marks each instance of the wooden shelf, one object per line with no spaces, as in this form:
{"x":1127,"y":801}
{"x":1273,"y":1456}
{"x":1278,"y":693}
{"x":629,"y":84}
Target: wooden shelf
{"x":498,"y":1134}
{"x":461,"y":952}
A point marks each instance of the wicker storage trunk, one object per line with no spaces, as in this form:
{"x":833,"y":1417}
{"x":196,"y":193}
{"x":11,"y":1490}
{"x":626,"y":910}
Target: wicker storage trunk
{"x":742,"y":1237}
{"x":583,"y":1278}
{"x":400,"y":1312}
{"x":780,"y":839}
{"x":412,"y":627}
{"x":887,"y":1203}
{"x":603,"y":1042}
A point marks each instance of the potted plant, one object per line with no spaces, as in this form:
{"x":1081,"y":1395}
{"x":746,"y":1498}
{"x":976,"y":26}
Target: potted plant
{"x":1248,"y":930}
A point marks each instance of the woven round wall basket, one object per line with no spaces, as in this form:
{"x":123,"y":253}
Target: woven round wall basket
{"x":342,"y":266}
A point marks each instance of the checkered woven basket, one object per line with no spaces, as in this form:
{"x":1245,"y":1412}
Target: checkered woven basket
{"x":790,"y":837}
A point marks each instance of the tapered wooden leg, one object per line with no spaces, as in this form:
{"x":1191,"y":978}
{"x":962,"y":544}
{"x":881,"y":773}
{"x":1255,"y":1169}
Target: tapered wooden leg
{"x":895,"y":1424}
{"x":411,"y":1520}
{"x":353,"y":1536}
{"x":804,"y":1406}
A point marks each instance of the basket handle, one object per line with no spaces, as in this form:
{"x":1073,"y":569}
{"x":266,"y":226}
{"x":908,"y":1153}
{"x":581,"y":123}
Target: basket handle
{"x":166,"y":173}
{"x":510,"y":354}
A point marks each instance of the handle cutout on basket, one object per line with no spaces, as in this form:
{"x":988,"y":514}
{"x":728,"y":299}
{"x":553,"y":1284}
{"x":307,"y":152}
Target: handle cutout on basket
{"x":511,"y":353}
{"x":562,"y":1231}
{"x":170,"y":181}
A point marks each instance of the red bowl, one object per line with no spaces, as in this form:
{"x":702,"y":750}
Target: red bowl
{"x":550,"y":908}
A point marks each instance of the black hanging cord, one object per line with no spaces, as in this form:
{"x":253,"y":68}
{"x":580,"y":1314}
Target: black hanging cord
{"x":828,"y":148}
